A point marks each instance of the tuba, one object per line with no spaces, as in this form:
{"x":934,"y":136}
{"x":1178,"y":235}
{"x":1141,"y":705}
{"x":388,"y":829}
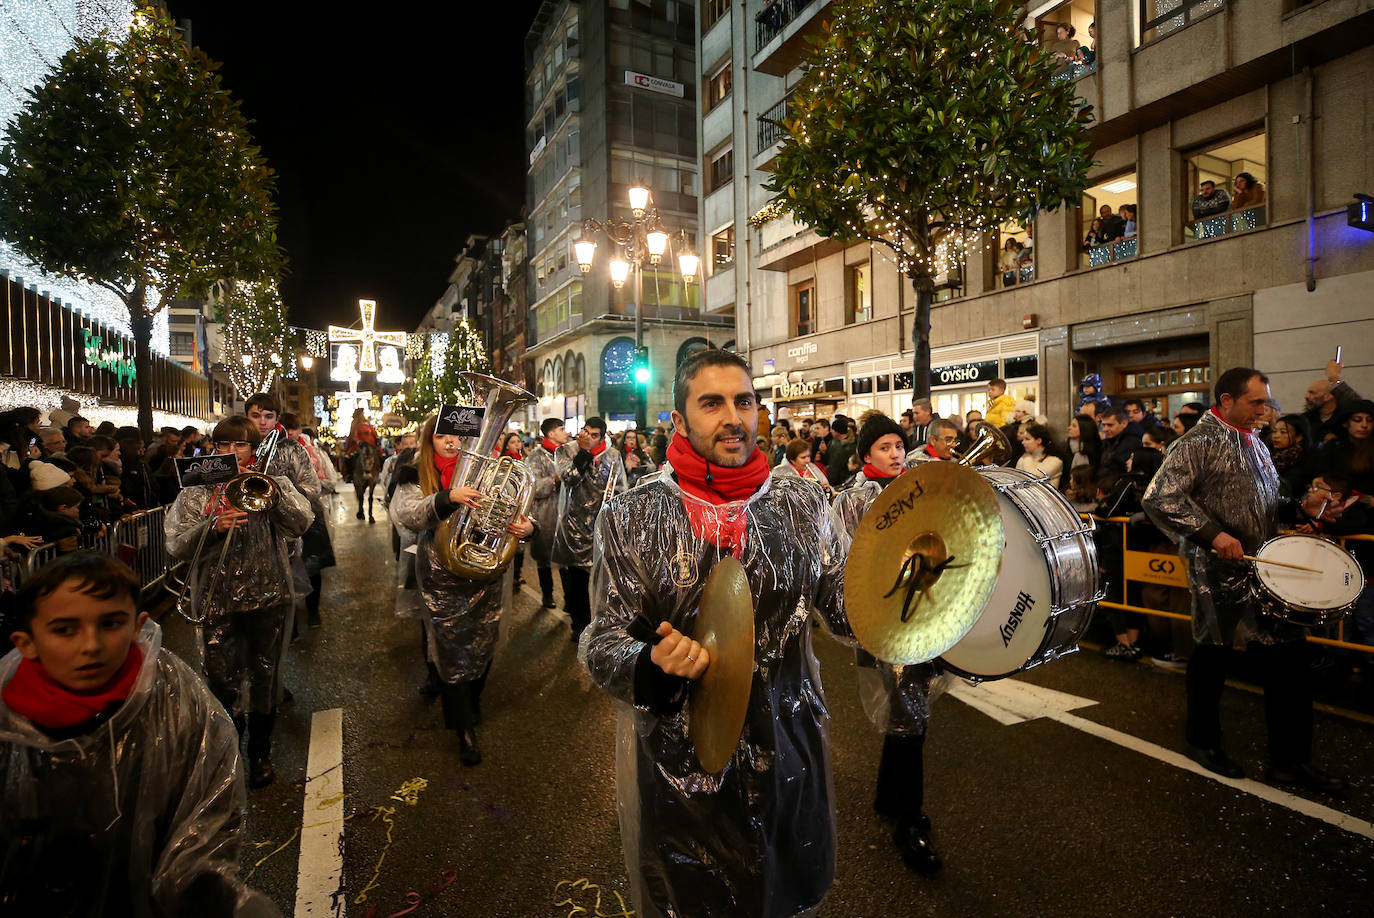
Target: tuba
{"x":474,"y":543}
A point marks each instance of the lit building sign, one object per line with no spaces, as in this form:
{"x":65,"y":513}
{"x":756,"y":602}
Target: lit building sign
{"x":97,"y":355}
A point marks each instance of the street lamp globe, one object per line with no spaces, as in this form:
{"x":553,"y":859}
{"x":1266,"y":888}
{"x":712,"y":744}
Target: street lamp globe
{"x":639,"y":199}
{"x":657,"y":239}
{"x":307,"y":362}
{"x":689,"y":263}
{"x":620,"y":270}
{"x":585,"y":249}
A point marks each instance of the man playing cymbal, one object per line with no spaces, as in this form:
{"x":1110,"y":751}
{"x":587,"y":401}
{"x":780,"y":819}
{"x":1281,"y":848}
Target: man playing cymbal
{"x":758,"y":838}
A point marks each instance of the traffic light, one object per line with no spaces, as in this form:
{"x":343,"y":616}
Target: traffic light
{"x":642,"y":374}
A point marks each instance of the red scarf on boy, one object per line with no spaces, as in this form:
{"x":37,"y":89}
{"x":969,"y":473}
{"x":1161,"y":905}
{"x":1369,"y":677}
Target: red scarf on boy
{"x":873,"y":474}
{"x":715,"y":485}
{"x":52,"y":706}
{"x":550,"y":445}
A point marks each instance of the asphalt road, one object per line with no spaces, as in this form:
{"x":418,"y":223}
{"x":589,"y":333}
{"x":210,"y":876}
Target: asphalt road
{"x":1064,"y":814}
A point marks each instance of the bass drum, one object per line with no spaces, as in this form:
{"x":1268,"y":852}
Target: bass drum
{"x":1048,"y":588}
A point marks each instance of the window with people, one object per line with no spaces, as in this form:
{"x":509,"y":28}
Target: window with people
{"x":1016,"y":259}
{"x":1109,"y":221}
{"x":1068,"y":34}
{"x":1228,"y":182}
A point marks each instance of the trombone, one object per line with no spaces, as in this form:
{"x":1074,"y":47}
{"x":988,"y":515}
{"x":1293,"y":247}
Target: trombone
{"x":247,"y":492}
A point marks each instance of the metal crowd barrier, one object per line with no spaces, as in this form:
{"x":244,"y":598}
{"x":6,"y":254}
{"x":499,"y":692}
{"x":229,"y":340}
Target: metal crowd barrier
{"x":1170,"y":570}
{"x":137,"y":540}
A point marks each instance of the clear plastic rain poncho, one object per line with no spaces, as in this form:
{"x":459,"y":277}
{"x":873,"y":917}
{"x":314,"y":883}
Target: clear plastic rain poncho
{"x":461,"y":616}
{"x":544,"y":505}
{"x":293,"y":461}
{"x":252,"y":592}
{"x":1218,"y":479}
{"x":142,"y":816}
{"x":896,"y":698}
{"x":581,"y":494}
{"x":758,"y":839}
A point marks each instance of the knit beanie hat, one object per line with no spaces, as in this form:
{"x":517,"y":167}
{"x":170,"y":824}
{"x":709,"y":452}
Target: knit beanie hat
{"x":1026,"y":406}
{"x":45,"y":475}
{"x":874,"y":428}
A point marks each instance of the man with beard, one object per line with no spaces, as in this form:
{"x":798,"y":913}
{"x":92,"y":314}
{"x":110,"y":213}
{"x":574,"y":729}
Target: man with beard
{"x":757,"y":838}
{"x":544,"y":507}
{"x":1327,"y":399}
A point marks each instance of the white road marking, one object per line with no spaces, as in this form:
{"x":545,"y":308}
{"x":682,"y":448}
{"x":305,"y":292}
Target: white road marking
{"x":319,"y":886}
{"x":1009,"y":701}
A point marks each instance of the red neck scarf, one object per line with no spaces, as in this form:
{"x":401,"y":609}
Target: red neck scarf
{"x":550,"y":445}
{"x":930,"y":451}
{"x":52,"y":706}
{"x":514,"y":454}
{"x":1245,"y":434}
{"x":715,"y":485}
{"x":445,"y":467}
{"x":599,"y":448}
{"x":873,"y":474}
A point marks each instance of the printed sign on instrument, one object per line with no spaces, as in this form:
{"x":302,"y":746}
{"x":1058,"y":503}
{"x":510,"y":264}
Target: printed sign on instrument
{"x":1164,"y":570}
{"x":459,"y":421}
{"x":206,"y":470}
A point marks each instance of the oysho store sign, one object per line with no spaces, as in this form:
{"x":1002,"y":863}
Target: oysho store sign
{"x":654,"y":84}
{"x":982,"y":371}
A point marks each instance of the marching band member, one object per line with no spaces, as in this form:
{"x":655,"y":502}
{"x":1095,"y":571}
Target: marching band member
{"x":242,"y":623}
{"x":290,"y":459}
{"x":461,"y":616}
{"x":543,"y":465}
{"x":589,"y":472}
{"x":896,"y":698}
{"x":757,"y":839}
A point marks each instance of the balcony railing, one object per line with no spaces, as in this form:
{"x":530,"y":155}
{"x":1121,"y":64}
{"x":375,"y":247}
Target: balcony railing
{"x":1073,"y":71}
{"x":770,"y":127}
{"x":1238,"y":221}
{"x":1022,"y":275}
{"x":774,"y":18}
{"x":1161,"y":17}
{"x":1120,"y":250}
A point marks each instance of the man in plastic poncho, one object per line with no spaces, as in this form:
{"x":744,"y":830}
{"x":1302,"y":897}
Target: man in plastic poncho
{"x":121,"y":789}
{"x":1217,"y":496}
{"x":589,"y":471}
{"x":757,"y":839}
{"x":544,"y":507}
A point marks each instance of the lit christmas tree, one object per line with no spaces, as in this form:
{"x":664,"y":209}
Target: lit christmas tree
{"x":437,"y":381}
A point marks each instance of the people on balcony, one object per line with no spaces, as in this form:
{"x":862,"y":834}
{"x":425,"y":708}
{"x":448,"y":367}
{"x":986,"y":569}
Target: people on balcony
{"x":1113,"y":225}
{"x":1086,"y":56}
{"x":1128,"y":228}
{"x":1210,"y":201}
{"x":1094,"y":237}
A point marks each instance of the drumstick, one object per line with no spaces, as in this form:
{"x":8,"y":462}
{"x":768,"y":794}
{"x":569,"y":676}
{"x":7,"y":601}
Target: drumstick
{"x":1296,"y":567}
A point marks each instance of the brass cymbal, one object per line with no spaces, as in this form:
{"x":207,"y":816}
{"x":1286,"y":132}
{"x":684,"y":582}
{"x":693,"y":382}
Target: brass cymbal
{"x":720,"y":698}
{"x":923,"y":563}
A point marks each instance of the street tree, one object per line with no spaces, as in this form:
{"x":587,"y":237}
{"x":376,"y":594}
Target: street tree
{"x":436,"y":380}
{"x":131,"y":167}
{"x":921,"y":125}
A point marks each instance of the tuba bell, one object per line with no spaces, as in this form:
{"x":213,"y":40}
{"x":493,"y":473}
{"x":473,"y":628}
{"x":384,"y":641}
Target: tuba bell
{"x":474,"y":543}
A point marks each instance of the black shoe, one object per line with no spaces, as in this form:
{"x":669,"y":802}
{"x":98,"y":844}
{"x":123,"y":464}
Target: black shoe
{"x":1214,"y":760}
{"x":260,"y":772}
{"x":468,"y":751}
{"x":1307,"y":776}
{"x":313,"y":619}
{"x":913,"y":843}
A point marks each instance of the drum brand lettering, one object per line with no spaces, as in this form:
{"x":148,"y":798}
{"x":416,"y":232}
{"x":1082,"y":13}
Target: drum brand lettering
{"x":1023,"y":603}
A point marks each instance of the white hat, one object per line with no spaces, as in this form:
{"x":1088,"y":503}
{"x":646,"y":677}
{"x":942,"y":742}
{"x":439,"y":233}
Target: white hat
{"x":59,"y":418}
{"x":1026,"y":407}
{"x":46,"y":476}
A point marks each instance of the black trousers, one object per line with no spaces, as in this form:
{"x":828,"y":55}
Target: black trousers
{"x":461,"y":700}
{"x":312,"y":599}
{"x":901,"y":778}
{"x":577,"y":596}
{"x":545,"y":584}
{"x":1286,"y":676}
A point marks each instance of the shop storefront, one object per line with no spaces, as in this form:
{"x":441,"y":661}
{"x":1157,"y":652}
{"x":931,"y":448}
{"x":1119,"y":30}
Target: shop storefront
{"x":959,"y":376}
{"x":806,"y":397}
{"x":49,"y":353}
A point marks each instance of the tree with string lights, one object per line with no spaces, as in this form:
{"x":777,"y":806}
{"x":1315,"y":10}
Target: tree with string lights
{"x":255,"y":334}
{"x":437,"y":381}
{"x":921,"y":125}
{"x":132,"y":168}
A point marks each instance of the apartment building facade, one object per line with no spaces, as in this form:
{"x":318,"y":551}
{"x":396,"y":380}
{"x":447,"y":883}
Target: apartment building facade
{"x":610,"y":102}
{"x":1184,"y":92}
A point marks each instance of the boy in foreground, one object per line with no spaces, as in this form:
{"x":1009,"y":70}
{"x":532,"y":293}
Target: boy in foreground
{"x":121,"y":790}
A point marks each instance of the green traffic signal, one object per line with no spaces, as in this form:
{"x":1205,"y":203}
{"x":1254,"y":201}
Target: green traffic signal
{"x":642,"y":374}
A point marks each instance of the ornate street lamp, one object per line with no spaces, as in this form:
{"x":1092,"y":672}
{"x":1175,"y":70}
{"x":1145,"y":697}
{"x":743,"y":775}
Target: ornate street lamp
{"x":640,"y":241}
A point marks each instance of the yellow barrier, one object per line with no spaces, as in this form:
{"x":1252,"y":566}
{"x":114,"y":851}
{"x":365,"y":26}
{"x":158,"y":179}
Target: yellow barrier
{"x":1172,"y":571}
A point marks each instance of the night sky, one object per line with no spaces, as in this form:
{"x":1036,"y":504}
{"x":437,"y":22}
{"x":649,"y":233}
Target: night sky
{"x":394,"y":135}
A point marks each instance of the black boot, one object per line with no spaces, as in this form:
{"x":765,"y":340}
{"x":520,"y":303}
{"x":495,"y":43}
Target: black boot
{"x":468,"y":751}
{"x":546,"y":586}
{"x":912,"y":839}
{"x":260,"y":771}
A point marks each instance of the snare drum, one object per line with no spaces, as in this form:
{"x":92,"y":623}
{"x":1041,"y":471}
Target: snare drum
{"x":1048,"y":588}
{"x":1304,"y":598}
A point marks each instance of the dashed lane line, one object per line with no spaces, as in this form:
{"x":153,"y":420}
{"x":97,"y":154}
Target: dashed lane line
{"x":319,"y":884}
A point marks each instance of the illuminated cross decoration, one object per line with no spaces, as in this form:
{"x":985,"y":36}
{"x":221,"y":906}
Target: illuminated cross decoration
{"x":366,"y":338}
